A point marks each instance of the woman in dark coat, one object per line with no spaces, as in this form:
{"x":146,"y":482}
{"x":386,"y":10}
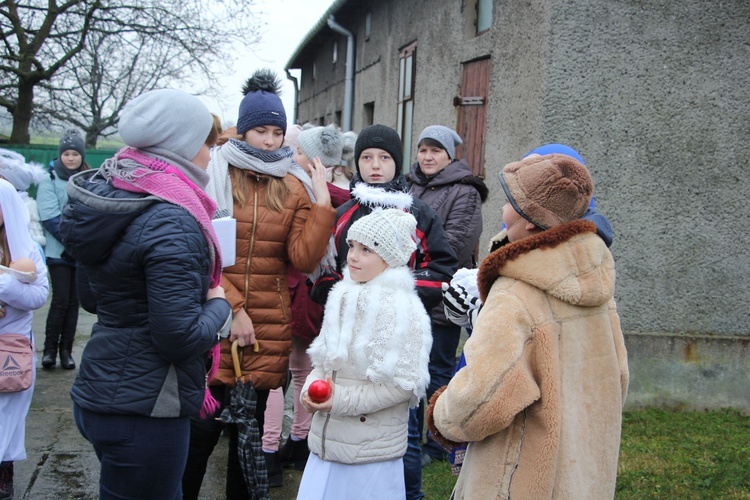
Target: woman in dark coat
{"x":141,"y":228}
{"x":449,"y":187}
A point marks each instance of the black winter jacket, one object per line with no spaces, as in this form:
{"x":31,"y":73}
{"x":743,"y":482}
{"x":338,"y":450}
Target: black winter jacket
{"x":148,"y":266}
{"x":432,"y":264}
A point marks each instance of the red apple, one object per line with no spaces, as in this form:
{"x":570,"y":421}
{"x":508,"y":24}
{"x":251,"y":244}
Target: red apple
{"x":319,"y":391}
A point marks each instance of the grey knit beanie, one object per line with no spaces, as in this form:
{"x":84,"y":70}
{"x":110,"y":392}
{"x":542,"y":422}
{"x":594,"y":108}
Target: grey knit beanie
{"x":548,"y":190}
{"x":325,"y":143}
{"x":167,"y":119}
{"x":72,"y":140}
{"x":448,"y":138}
{"x":390,"y":233}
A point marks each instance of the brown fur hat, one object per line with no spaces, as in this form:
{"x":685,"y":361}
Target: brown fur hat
{"x":548,"y":190}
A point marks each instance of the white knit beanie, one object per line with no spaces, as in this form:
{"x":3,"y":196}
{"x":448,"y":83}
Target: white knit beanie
{"x":325,"y":143}
{"x":166,"y":119}
{"x":390,"y":233}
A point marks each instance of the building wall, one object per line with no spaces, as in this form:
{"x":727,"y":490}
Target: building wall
{"x":655,"y":96}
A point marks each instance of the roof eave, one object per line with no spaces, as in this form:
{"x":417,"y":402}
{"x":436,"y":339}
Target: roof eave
{"x":322,"y":22}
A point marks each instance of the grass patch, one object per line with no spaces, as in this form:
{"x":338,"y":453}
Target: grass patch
{"x":664,"y":454}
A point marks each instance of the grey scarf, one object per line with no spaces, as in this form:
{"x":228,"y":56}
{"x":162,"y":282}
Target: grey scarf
{"x":275,"y":163}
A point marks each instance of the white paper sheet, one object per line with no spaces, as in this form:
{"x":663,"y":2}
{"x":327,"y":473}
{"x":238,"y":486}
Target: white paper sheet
{"x":226,"y":231}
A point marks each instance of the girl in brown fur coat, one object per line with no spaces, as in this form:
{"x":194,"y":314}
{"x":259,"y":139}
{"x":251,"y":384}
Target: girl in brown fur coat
{"x":539,"y":401}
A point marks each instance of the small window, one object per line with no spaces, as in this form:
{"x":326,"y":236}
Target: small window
{"x":484,"y":15}
{"x":368,"y":114}
{"x":315,"y":70}
{"x":368,"y":25}
{"x":335,"y":51}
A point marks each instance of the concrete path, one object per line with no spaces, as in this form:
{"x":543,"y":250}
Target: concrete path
{"x":61,"y":464}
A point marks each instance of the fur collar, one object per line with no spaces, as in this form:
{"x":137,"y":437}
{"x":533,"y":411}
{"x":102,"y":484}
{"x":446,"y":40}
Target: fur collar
{"x":377,"y":331}
{"x":372,"y":196}
{"x":545,"y":271}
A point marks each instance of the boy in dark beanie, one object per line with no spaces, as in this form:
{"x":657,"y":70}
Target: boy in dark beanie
{"x":540,"y":399}
{"x":379,"y":182}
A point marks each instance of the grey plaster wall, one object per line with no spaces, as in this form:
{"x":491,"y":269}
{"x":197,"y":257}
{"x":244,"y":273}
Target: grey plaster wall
{"x":653,"y":94}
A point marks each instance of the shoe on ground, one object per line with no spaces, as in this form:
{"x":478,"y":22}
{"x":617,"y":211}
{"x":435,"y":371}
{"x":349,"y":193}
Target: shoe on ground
{"x":49,"y":360}
{"x":275,"y":474}
{"x":294,"y":454}
{"x":66,"y":360}
{"x":6,"y":481}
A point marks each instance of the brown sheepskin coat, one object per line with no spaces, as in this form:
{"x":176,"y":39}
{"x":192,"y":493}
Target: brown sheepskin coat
{"x":266,"y":242}
{"x":540,"y":399}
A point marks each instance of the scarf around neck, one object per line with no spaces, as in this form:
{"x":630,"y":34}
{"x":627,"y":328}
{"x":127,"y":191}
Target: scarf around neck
{"x":275,"y":163}
{"x":138,"y":172}
{"x":62,"y":171}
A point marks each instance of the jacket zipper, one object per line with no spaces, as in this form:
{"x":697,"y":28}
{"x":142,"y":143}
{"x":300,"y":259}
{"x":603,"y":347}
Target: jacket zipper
{"x":252,"y":239}
{"x":325,"y":427}
{"x":281,"y":297}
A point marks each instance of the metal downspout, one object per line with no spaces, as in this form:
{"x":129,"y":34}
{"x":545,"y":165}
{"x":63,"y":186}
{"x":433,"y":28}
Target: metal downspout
{"x":349,"y":82}
{"x":296,"y":95}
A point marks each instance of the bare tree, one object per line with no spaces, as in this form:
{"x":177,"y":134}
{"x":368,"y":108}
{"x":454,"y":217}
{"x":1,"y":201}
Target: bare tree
{"x":91,"y":57}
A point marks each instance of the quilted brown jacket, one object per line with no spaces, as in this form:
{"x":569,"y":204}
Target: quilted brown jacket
{"x":266,"y":242}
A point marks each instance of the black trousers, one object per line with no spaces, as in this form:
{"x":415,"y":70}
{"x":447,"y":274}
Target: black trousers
{"x":62,"y":318}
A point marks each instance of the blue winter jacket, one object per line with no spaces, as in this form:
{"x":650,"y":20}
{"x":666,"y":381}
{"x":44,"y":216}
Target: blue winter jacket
{"x":148,"y":266}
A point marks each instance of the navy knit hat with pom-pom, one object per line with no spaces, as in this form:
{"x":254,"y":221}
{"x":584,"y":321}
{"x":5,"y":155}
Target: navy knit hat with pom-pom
{"x":261,"y":105}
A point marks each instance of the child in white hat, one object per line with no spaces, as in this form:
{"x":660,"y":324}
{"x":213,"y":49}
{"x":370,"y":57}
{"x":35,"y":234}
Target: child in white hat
{"x":373,"y":350}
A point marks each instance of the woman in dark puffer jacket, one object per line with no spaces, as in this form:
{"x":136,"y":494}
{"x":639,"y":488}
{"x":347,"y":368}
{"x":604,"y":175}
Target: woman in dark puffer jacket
{"x":141,"y":228}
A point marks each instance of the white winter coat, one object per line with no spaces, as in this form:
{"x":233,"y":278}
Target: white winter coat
{"x":374,"y":343}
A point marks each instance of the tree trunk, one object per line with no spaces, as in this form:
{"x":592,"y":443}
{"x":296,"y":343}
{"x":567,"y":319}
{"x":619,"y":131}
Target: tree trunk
{"x":91,"y":138}
{"x":23,"y":113}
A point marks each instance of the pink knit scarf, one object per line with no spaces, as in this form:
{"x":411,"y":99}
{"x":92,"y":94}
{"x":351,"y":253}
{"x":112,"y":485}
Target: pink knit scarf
{"x":161,"y":179}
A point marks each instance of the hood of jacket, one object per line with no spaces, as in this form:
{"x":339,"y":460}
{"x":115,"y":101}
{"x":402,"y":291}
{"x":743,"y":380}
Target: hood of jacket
{"x":569,"y":261}
{"x":458,"y":171}
{"x":96,"y":215}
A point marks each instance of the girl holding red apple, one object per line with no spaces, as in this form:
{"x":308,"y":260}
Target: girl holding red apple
{"x":372,"y":351}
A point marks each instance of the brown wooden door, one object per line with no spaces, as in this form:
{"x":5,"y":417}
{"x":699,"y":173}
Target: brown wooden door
{"x":472,"y":113}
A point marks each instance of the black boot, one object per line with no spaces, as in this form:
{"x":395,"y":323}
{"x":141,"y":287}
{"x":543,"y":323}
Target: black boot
{"x":49,"y":360}
{"x":294,"y":454}
{"x":275,"y":476}
{"x":6,"y":480}
{"x":66,"y":359}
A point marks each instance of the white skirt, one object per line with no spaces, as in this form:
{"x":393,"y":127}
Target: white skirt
{"x":323,"y":480}
{"x":14,"y":406}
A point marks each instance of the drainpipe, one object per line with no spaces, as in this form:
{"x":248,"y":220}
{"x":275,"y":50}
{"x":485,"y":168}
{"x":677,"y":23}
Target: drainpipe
{"x":296,"y":95}
{"x":349,"y":82}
